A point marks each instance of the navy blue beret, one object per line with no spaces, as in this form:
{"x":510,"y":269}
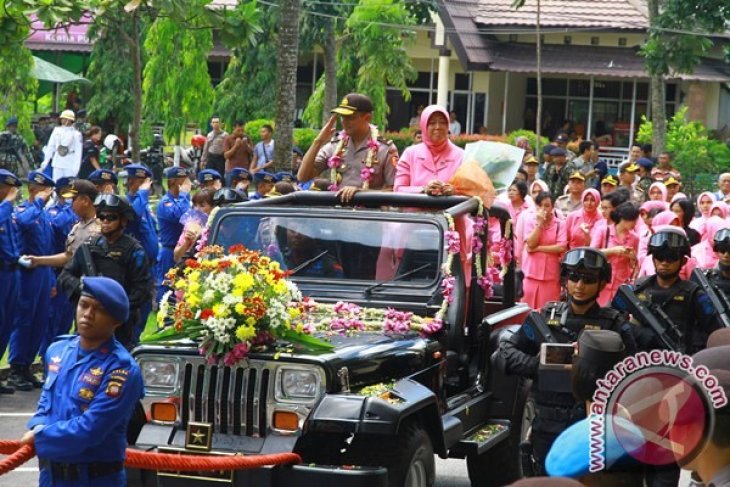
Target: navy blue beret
{"x":103,"y":176}
{"x":264,"y":176}
{"x":558,"y":151}
{"x":138,"y":171}
{"x":37,"y":177}
{"x":109,"y":293}
{"x":6,"y":177}
{"x":64,"y":182}
{"x":240,"y":173}
{"x":12,"y":121}
{"x":208,"y":175}
{"x":175,"y":172}
{"x":645,"y":162}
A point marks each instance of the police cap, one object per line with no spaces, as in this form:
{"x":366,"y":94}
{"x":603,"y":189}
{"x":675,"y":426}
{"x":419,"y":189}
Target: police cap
{"x":604,"y":347}
{"x":114,"y":203}
{"x":175,"y":172}
{"x":138,"y":171}
{"x":37,"y":177}
{"x":669,"y":242}
{"x":63,"y":183}
{"x":81,"y":187}
{"x":586,"y":258}
{"x":264,"y":177}
{"x":109,"y":293}
{"x":284,"y":176}
{"x":6,"y":177}
{"x":354,"y":102}
{"x":645,"y":162}
{"x":101,"y":176}
{"x":558,"y":152}
{"x":208,"y":175}
{"x":240,"y":173}
{"x":296,"y":150}
{"x":609,"y":180}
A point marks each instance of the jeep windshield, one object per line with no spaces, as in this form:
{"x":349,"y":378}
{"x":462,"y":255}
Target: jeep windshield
{"x":333,"y":248}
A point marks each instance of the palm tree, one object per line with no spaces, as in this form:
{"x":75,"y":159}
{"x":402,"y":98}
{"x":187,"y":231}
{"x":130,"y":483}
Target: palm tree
{"x":286,"y":55}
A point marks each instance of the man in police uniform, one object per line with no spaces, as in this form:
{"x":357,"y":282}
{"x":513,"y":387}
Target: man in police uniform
{"x":584,"y":272}
{"x":355,"y":111}
{"x":572,"y":201}
{"x":627,"y":177}
{"x":93,"y":384}
{"x":263,"y":181}
{"x":684,"y":301}
{"x":240,"y":179}
{"x":210,"y":179}
{"x":31,"y":321}
{"x":105,"y":180}
{"x":113,"y":254}
{"x":719,"y":277}
{"x":15,"y":156}
{"x":9,"y":253}
{"x":170,"y":209}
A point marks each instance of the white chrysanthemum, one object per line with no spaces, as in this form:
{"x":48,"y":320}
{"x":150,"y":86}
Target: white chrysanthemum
{"x":230,"y":300}
{"x":208,"y":296}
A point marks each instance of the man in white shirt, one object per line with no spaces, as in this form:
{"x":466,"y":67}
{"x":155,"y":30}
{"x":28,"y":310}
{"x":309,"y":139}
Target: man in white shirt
{"x":454,"y":125}
{"x":64,"y":148}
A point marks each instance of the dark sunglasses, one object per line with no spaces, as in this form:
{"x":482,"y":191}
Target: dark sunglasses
{"x":667,"y":257}
{"x":586,"y":278}
{"x":108,"y":217}
{"x":722,"y":248}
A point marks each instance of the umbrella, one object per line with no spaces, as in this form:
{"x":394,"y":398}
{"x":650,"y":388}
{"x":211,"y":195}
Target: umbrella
{"x":45,"y":71}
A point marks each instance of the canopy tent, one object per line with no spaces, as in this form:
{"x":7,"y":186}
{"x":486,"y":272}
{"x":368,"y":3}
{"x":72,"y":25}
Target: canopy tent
{"x":45,"y":71}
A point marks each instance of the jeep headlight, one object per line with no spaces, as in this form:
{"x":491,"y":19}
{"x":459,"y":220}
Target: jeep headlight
{"x":160,"y":375}
{"x":298,"y":383}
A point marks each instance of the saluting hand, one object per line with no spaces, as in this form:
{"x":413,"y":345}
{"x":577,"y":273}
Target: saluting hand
{"x":328,"y":131}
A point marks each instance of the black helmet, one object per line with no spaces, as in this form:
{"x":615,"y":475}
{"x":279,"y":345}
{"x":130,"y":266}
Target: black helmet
{"x":721,"y":242}
{"x":114,"y":203}
{"x":672,"y":240}
{"x":228,"y":196}
{"x":585,"y":258}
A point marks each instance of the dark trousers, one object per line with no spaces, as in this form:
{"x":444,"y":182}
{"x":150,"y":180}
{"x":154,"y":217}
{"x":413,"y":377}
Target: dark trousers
{"x":549,"y":422}
{"x":217,"y":162}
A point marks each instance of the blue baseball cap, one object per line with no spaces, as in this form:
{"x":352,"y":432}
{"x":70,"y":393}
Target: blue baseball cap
{"x":6,"y":177}
{"x":645,"y":162}
{"x":12,"y":121}
{"x":109,"y":293}
{"x":240,"y":173}
{"x":37,"y":177}
{"x":65,"y":182}
{"x":284,"y":176}
{"x":175,"y":172}
{"x":103,"y":176}
{"x":138,"y":171}
{"x":208,"y":175}
{"x":264,"y":176}
{"x":558,"y":151}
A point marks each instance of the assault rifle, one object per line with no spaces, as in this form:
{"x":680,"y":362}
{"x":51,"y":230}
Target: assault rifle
{"x":650,"y":315}
{"x":87,"y":261}
{"x":538,"y":327}
{"x":717,"y":297}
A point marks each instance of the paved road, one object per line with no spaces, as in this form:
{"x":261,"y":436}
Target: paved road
{"x":17,"y":408}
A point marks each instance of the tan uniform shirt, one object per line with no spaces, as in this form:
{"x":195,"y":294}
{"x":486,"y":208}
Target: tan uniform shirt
{"x":82,"y":232}
{"x":353,"y":162}
{"x":567,"y":205}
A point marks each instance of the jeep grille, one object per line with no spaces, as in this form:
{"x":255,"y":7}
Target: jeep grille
{"x":232,"y":399}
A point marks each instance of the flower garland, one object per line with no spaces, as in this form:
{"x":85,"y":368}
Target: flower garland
{"x":335,"y":162}
{"x":484,"y":280}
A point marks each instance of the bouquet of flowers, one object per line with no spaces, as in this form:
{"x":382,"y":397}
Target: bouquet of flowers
{"x":233,"y":303}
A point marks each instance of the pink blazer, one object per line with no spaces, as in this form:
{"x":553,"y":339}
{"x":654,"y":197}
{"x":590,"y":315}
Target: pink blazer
{"x":542,"y":265}
{"x":417,"y":167}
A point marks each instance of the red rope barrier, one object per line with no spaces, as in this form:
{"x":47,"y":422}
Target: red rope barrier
{"x":18,"y":455}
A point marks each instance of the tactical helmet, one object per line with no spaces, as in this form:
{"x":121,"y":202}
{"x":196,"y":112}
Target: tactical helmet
{"x":198,"y":140}
{"x":721,"y":242}
{"x":586,"y":258}
{"x":669,"y":239}
{"x":228,"y":196}
{"x":114,"y":203}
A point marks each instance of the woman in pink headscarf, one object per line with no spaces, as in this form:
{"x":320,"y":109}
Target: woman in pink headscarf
{"x":658,"y":192}
{"x":647,"y":212}
{"x":580,"y":223}
{"x":719,"y":208}
{"x":704,"y":251}
{"x":704,"y":205}
{"x":427,"y":167}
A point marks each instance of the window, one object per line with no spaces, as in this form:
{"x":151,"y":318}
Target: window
{"x":422,"y":81}
{"x":580,"y":87}
{"x":607,"y":89}
{"x":461,"y":81}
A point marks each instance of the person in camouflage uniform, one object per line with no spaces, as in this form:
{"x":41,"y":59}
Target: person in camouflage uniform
{"x":15,"y":156}
{"x":558,"y":172}
{"x":81,"y":124}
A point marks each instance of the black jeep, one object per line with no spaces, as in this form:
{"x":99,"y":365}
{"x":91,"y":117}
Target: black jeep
{"x":435,"y":395}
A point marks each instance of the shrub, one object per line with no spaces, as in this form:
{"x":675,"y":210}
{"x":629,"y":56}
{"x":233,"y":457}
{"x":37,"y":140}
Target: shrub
{"x":531,"y":136}
{"x":253,"y":128}
{"x":303,"y":138}
{"x":404,"y":139}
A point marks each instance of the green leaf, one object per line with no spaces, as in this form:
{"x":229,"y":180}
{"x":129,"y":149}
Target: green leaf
{"x":309,"y":342}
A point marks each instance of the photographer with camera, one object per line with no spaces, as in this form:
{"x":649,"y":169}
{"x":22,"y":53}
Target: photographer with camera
{"x":584,"y":272}
{"x":238,"y":150}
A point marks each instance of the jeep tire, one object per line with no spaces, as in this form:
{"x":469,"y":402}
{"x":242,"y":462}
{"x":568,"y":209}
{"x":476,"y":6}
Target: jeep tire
{"x":407,"y":456}
{"x":502,"y":464}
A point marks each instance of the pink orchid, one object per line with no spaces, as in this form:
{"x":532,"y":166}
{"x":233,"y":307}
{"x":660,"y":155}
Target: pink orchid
{"x":476,"y":244}
{"x":486,"y":284}
{"x":448,"y":283}
{"x":333,"y":187}
{"x":366,"y":173}
{"x":479,"y":225}
{"x":434,"y":326}
{"x":334,"y":162}
{"x":453,"y":242}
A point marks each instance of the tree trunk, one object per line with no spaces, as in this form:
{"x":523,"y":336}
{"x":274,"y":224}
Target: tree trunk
{"x":538,"y":54}
{"x":330,"y":69}
{"x":286,"y":54}
{"x":135,"y":51}
{"x":658,"y":94}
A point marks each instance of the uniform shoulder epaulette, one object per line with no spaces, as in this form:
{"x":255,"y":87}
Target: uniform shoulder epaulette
{"x":687,"y":286}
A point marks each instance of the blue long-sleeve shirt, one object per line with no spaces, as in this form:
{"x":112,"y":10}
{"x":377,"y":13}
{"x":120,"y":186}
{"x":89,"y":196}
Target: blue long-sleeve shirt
{"x":169,"y":211}
{"x":9,"y":246}
{"x":144,"y":228}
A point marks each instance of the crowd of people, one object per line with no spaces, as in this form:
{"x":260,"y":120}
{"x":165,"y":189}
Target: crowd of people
{"x":577,"y":228}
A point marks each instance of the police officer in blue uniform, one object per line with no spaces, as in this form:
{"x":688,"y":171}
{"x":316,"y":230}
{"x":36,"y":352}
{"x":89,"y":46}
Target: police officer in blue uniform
{"x":264,"y":182}
{"x":63,"y":218}
{"x":9,"y":253}
{"x":240,"y":179}
{"x":144,"y":227}
{"x":170,"y":209}
{"x":210,"y":179}
{"x":105,"y":180}
{"x":34,"y":300}
{"x":92,"y":386}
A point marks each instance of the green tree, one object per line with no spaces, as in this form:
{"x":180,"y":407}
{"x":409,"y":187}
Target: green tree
{"x":177,"y":86}
{"x":287,"y":54}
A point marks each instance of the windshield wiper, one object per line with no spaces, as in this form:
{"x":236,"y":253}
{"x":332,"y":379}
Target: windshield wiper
{"x":370,"y":289}
{"x":309,"y":262}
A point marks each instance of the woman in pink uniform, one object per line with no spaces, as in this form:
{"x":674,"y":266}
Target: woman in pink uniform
{"x":704,"y":204}
{"x":427,"y":167}
{"x":580,"y":223}
{"x":515,"y":200}
{"x":704,"y":251}
{"x":620,"y":244}
{"x":658,"y":192}
{"x":545,"y":242}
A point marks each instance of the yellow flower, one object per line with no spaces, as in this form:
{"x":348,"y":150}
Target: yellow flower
{"x":181,"y":284}
{"x":192,"y":300}
{"x":220,"y":310}
{"x":240,"y":308}
{"x":244,"y":281}
{"x":194,"y":276}
{"x":294,"y":313}
{"x":245,"y":333}
{"x":237,"y":292}
{"x":194,"y":287}
{"x":279,"y":287}
{"x":250,"y":321}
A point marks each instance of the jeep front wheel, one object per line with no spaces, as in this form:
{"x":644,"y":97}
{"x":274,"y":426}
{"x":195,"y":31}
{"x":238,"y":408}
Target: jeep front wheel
{"x":408,"y":456}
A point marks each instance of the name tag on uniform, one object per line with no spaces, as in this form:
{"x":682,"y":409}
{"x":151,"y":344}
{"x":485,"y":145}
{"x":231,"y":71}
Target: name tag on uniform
{"x":678,"y":297}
